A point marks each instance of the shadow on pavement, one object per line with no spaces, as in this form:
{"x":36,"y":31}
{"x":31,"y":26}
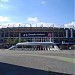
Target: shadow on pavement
{"x":10,"y":69}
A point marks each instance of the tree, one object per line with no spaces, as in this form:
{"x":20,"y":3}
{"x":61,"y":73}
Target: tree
{"x":11,"y":41}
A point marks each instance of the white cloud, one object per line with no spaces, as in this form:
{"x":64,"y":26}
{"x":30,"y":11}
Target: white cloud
{"x":1,"y":5}
{"x":4,"y":6}
{"x":3,"y":0}
{"x":30,"y":19}
{"x":70,"y":25}
{"x":43,"y":2}
{"x":4,"y":19}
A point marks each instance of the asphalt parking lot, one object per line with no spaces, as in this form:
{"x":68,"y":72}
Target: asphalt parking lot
{"x":37,"y":62}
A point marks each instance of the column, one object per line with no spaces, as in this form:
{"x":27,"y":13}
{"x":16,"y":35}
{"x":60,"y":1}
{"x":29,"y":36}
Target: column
{"x":19,"y":37}
{"x":41,"y":39}
{"x":66,"y":33}
{"x":50,"y":39}
{"x":71,"y":33}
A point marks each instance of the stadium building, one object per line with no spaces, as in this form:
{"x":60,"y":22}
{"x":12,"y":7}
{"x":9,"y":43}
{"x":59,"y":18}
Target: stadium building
{"x":63,"y":37}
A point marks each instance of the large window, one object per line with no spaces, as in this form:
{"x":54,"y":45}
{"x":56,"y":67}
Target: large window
{"x":16,"y":34}
{"x":56,"y":40}
{"x":11,"y":34}
{"x":55,"y":34}
{"x":61,"y":34}
{"x":2,"y":35}
{"x":74,"y":41}
{"x":6,"y":34}
{"x":1,"y":40}
{"x":74,"y":34}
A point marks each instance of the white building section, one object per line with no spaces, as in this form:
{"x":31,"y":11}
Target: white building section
{"x":34,"y":46}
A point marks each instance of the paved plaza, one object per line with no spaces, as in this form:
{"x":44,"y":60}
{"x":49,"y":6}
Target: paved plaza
{"x":37,"y":62}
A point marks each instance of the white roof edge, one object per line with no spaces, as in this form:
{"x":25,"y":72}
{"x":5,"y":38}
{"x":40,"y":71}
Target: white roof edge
{"x":34,"y":43}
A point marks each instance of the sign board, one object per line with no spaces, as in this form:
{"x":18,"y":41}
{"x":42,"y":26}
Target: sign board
{"x":36,"y":34}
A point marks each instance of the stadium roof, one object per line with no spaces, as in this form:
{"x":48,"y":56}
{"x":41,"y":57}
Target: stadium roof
{"x":72,"y":25}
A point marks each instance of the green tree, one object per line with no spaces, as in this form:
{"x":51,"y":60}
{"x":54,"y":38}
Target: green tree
{"x":11,"y":41}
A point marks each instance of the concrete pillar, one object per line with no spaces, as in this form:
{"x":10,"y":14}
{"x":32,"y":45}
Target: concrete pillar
{"x":50,"y":39}
{"x":71,"y":33}
{"x":41,"y":39}
{"x":66,"y":33}
{"x":19,"y":37}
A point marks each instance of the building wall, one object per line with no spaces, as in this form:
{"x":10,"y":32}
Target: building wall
{"x":64,"y":38}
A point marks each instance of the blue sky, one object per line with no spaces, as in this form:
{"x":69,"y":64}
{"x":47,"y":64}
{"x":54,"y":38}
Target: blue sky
{"x":24,"y":11}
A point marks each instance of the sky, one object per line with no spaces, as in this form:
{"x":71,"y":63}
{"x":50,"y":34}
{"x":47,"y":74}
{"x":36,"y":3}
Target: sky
{"x":37,"y":11}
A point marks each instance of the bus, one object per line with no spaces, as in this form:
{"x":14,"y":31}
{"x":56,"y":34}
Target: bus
{"x":34,"y":46}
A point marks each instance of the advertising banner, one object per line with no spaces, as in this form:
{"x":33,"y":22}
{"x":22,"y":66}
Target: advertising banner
{"x":36,"y":34}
